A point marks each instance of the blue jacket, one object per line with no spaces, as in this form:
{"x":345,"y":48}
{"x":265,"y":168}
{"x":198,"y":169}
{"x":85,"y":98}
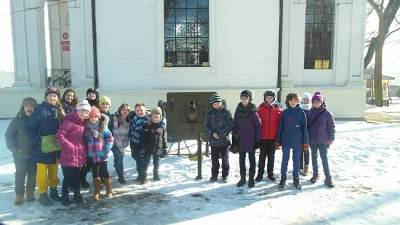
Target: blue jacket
{"x":44,"y":121}
{"x":220,"y":122}
{"x":136,"y":131}
{"x":292,"y":131}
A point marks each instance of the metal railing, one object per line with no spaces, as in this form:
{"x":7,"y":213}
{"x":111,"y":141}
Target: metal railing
{"x":58,"y":77}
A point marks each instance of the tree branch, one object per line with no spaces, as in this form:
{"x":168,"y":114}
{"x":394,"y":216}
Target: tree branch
{"x":376,"y":8}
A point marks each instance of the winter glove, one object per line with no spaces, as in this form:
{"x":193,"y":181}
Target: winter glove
{"x":234,"y":148}
{"x":306,"y":147}
{"x":330,"y":143}
{"x":277,"y":146}
{"x":215,"y":135}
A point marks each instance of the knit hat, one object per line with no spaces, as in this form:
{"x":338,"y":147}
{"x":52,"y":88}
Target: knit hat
{"x":52,"y":90}
{"x":271,"y":93}
{"x":84,"y":105}
{"x":105,"y":99}
{"x":214,"y":98}
{"x":94,"y":112}
{"x":29,"y":101}
{"x":156,"y":111}
{"x":318,"y":97}
{"x":91,"y":90}
{"x":247,"y":93}
{"x":306,"y":95}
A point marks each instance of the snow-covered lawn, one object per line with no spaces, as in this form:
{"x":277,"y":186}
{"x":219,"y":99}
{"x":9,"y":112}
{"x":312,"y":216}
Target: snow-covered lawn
{"x":364,"y":161}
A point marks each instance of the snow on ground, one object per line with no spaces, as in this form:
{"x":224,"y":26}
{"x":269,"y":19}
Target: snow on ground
{"x":364,"y":163}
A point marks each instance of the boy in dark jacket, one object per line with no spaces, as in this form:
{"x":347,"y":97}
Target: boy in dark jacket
{"x":19,"y":143}
{"x":153,"y":141}
{"x":292,"y":134}
{"x":219,"y":125}
{"x":270,"y":113}
{"x":321,"y":128}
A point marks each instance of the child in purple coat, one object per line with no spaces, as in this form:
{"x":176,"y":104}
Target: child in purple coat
{"x":246,"y":128}
{"x":321,"y":128}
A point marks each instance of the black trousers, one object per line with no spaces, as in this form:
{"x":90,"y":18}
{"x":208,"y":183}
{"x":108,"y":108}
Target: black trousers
{"x":71,"y":179}
{"x":267,"y":149}
{"x":100,"y":170}
{"x":216,"y":153}
{"x":252,"y":162}
{"x":85,"y":170}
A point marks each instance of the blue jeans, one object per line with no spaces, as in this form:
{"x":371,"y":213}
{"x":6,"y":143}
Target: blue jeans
{"x":295,"y":158}
{"x":323,"y":151}
{"x":118,"y":161}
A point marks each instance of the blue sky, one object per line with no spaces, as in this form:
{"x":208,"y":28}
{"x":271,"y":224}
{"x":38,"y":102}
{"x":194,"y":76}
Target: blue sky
{"x":391,"y":51}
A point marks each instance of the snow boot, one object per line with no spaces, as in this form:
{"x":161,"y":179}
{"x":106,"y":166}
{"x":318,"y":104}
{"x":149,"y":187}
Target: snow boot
{"x":30,"y":196}
{"x":241,"y":182}
{"x":296,"y":183}
{"x":19,"y":199}
{"x":54,"y":194}
{"x":251,"y":182}
{"x":259,"y":176}
{"x":156,"y":176}
{"x":282,"y":183}
{"x":314,"y":178}
{"x":224,"y":179}
{"x":328,"y":182}
{"x":108,"y":182}
{"x":84,"y":184}
{"x":78,"y":198}
{"x":213,"y":179}
{"x":271,"y":177}
{"x":65,"y":199}
{"x":44,"y":200}
{"x":305,"y":171}
{"x":96,"y":191}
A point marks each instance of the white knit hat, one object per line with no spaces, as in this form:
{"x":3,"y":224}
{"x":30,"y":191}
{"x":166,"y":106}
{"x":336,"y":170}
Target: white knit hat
{"x":84,"y":105}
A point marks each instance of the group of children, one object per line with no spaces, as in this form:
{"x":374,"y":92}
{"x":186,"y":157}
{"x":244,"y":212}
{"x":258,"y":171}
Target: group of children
{"x":79,"y":137}
{"x":305,"y":123}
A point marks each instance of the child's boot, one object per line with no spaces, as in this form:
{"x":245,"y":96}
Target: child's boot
{"x":96,"y":184}
{"x":259,"y":176}
{"x":282,"y":183}
{"x":54,"y":194}
{"x":328,"y":182}
{"x":44,"y":199}
{"x":108,"y":182}
{"x":296,"y":183}
{"x":30,"y":196}
{"x":156,"y":176}
{"x":305,"y":171}
{"x":242,"y":181}
{"x":314,"y":178}
{"x":19,"y":199}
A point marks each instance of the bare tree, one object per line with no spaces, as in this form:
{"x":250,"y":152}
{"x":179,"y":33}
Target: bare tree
{"x":386,"y":16}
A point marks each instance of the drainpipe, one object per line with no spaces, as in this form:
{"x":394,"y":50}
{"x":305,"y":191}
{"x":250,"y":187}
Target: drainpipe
{"x":279,"y":81}
{"x":94,"y":36}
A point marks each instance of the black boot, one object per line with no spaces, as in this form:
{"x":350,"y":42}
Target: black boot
{"x":296,"y":183}
{"x":44,"y":200}
{"x":314,"y":178}
{"x":65,"y":199}
{"x":271,"y":177}
{"x":282,"y":183}
{"x":224,"y":179}
{"x":259,"y":176}
{"x":54,"y":194}
{"x":156,"y":176}
{"x":241,"y":182}
{"x":328,"y":182}
{"x":213,"y":179}
{"x":78,"y":198}
{"x":84,"y":184}
{"x":251,"y":182}
{"x":143,"y":178}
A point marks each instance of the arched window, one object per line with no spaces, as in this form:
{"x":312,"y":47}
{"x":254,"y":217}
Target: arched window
{"x":320,"y":15}
{"x":186,"y":30}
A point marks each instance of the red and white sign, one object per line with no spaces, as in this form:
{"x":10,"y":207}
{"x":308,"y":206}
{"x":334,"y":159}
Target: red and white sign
{"x":65,"y":43}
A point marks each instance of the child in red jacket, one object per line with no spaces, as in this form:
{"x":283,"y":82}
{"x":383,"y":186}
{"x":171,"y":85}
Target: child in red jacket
{"x":269,"y":112}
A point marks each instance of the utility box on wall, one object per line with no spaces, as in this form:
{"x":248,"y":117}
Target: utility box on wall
{"x":186,"y":114}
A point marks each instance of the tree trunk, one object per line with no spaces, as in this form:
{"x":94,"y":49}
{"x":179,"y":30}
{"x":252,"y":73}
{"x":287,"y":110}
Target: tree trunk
{"x":378,"y":65}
